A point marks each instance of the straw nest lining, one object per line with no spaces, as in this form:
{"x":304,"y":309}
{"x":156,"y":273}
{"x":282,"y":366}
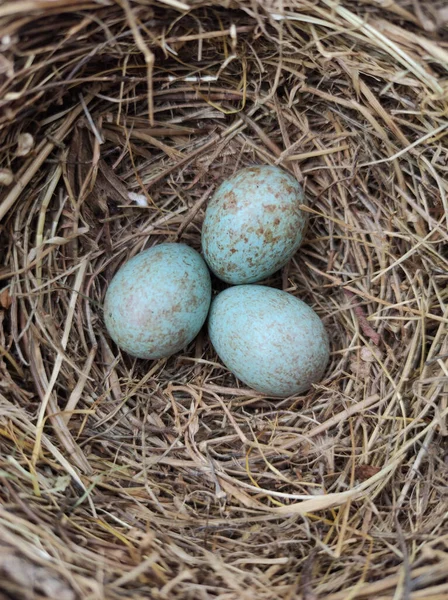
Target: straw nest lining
{"x":130,"y":479}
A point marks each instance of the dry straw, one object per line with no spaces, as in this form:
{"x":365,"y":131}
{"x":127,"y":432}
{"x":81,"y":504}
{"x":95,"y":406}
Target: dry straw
{"x":168,"y":480}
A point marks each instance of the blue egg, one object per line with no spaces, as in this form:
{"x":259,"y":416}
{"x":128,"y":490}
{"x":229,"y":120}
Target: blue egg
{"x":158,"y":301}
{"x":253,"y":224}
{"x":272,"y":341}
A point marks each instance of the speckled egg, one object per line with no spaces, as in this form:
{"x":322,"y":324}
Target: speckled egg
{"x":158,"y":301}
{"x":271,"y":340}
{"x":253,"y":224}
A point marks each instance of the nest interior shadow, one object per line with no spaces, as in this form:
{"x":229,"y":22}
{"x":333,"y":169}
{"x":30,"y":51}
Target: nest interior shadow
{"x":124,"y":478}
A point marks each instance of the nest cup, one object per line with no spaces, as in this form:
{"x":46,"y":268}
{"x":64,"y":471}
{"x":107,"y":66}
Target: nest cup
{"x":123,"y":478}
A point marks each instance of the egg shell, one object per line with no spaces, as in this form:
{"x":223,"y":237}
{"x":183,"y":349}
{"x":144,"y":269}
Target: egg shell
{"x":158,"y":301}
{"x":271,"y":340}
{"x":253,"y":224}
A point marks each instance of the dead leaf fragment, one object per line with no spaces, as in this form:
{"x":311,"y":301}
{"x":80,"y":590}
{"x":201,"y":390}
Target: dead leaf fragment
{"x":364,"y":472}
{"x":5,"y":299}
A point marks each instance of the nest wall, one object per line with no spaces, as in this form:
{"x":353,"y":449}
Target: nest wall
{"x":123,"y":478}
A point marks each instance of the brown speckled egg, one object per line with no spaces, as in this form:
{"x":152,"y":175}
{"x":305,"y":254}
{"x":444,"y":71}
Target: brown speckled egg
{"x":253,"y":224}
{"x":158,"y":301}
{"x":272,"y":341}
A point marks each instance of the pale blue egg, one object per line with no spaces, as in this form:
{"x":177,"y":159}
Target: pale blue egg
{"x":253,"y":224}
{"x":158,"y":301}
{"x":272,"y":341}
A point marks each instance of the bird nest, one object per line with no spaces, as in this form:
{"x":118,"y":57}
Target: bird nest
{"x":169,"y":479}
